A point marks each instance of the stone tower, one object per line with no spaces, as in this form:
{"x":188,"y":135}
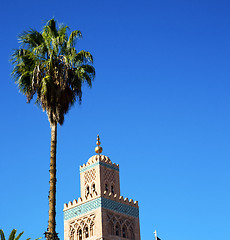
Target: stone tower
{"x":100,"y":212}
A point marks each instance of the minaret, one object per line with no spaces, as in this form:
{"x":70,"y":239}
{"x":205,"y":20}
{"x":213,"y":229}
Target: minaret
{"x":100,"y":212}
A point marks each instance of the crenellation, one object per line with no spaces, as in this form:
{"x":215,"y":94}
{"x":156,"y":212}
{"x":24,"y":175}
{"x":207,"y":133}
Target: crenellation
{"x":75,"y":204}
{"x":120,"y":199}
{"x":116,"y":165}
{"x":65,"y":206}
{"x":136,"y":203}
{"x":99,"y":158}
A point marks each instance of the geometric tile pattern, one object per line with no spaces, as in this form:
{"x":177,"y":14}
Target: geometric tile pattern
{"x":103,"y":203}
{"x":99,"y":163}
{"x":109,"y":176}
{"x":82,"y":209}
{"x":90,"y":175}
{"x":120,"y":207}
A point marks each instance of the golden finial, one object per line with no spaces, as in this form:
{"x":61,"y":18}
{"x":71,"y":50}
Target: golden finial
{"x":98,"y":148}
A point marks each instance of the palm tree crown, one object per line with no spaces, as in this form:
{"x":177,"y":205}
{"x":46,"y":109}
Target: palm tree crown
{"x":47,"y":65}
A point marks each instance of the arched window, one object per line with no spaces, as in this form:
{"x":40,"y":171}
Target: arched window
{"x":86,"y":232}
{"x":117,"y":230}
{"x":110,"y":228}
{"x":106,"y":187}
{"x":112,"y":189}
{"x":72,"y":235}
{"x":124,"y":232}
{"x":87,"y":191}
{"x":93,"y":187}
{"x":131,"y":233}
{"x":79,"y":233}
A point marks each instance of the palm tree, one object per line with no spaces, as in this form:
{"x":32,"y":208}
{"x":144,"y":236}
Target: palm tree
{"x":12,"y":235}
{"x":48,"y":67}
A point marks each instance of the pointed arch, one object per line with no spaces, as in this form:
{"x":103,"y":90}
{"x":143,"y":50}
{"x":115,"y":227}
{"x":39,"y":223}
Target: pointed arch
{"x":87,"y":190}
{"x":86,"y":231}
{"x":93,"y":187}
{"x":106,"y":186}
{"x":79,"y":234}
{"x":71,"y":236}
{"x":124,"y":232}
{"x":131,"y":233}
{"x":112,"y":189}
{"x":117,"y":229}
{"x":110,"y":228}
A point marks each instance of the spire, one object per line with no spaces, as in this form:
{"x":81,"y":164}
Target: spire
{"x":98,"y":149}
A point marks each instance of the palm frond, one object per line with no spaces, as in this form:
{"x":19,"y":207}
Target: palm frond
{"x":2,"y":235}
{"x":12,"y":234}
{"x":86,"y":73}
{"x":19,"y":235}
{"x":83,"y":58}
{"x":52,"y":29}
{"x":73,"y":36}
{"x":49,"y":68}
{"x":62,"y":34}
{"x":31,"y":38}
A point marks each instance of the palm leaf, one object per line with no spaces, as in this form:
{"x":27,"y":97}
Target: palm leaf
{"x":2,"y":235}
{"x":82,"y":58}
{"x":12,"y":234}
{"x":19,"y":235}
{"x":73,"y":36}
{"x":31,"y":38}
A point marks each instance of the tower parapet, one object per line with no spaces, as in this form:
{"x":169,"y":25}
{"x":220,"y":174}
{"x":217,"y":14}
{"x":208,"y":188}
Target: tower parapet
{"x":120,"y":199}
{"x":99,"y":159}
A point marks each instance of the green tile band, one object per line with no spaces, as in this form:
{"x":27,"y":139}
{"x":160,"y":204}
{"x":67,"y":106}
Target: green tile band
{"x":103,"y":203}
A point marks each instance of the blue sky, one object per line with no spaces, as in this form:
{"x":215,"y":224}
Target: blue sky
{"x":160,"y":102}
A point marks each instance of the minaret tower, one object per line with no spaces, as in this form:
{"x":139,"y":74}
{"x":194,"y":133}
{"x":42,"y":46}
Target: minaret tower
{"x":100,"y":212}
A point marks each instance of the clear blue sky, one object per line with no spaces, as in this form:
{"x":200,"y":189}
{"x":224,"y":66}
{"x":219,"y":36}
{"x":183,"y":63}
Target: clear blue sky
{"x":160,"y":102}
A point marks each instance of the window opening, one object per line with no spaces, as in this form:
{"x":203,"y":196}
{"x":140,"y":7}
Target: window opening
{"x":94,"y":187}
{"x":87,"y":191}
{"x":112,"y":189}
{"x":123,"y":232}
{"x":80,"y":234}
{"x":86,"y":232}
{"x":117,"y":230}
{"x":106,"y":187}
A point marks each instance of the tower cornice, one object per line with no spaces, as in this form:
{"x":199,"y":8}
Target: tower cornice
{"x":99,"y":160}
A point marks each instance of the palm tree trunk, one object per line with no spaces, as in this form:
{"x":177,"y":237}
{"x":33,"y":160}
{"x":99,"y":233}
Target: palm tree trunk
{"x":51,"y":233}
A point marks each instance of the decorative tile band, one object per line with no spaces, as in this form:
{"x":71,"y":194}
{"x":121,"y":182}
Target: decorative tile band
{"x":99,"y":163}
{"x":103,"y":203}
{"x":119,"y":207}
{"x":82,"y":209}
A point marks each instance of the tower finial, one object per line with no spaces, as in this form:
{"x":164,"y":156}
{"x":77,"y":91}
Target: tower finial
{"x":98,"y":148}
